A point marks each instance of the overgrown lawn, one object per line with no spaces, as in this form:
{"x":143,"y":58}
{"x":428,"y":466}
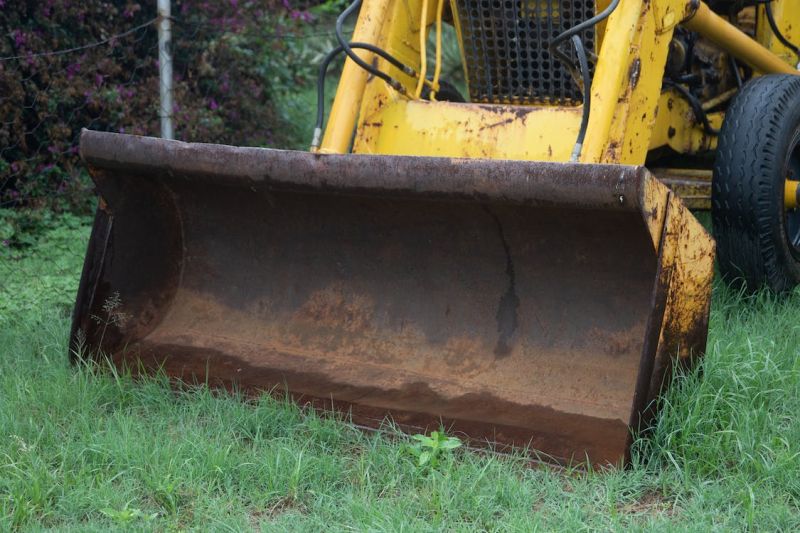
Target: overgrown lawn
{"x":82,"y":448}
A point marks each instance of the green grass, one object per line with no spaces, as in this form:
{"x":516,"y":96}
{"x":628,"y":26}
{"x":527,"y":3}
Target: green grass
{"x":85,"y":449}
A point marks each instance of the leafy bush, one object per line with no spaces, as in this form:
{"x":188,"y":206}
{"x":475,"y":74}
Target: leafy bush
{"x":229,"y":59}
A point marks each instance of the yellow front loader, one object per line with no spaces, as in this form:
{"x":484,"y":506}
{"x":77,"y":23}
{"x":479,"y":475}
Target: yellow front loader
{"x":514,"y":260}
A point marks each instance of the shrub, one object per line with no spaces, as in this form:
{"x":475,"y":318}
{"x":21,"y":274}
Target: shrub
{"x":229,"y":58}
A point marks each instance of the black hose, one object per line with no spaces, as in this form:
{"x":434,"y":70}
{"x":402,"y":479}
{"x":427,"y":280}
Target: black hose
{"x":323,"y":71}
{"x":694,"y":103}
{"x":583,"y":62}
{"x":588,"y":23}
{"x":734,"y":66}
{"x":352,"y":55}
{"x":777,"y":31}
{"x":385,"y":55}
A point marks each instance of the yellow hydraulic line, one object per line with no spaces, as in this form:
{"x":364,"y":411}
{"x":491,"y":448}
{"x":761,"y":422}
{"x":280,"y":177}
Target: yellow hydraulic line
{"x":733,"y":40}
{"x":790,"y":190}
{"x":437,"y":69}
{"x":350,"y":91}
{"x":423,"y":59}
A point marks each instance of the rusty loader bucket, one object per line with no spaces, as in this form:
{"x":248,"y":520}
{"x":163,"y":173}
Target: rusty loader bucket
{"x":519,"y":303}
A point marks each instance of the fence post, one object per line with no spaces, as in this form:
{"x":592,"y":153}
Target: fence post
{"x":165,"y":68}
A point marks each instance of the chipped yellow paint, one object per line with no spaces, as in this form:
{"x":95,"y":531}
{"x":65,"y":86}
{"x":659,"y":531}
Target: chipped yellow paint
{"x":787,"y":18}
{"x":630,"y":115}
{"x":403,"y":127}
{"x":685,"y":272}
{"x":629,"y":77}
{"x":350,"y":92}
{"x":677,"y":127}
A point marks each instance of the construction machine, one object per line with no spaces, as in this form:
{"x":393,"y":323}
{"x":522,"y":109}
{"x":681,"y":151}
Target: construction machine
{"x":515,"y":260}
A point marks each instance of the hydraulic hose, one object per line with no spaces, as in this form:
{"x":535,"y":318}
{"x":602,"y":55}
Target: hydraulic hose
{"x":588,"y":23}
{"x":583,"y":63}
{"x":323,"y":71}
{"x":352,"y":55}
{"x":774,"y":26}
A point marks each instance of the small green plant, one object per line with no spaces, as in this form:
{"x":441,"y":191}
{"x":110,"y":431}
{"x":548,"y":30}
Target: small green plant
{"x":430,"y":450}
{"x":127,"y":515}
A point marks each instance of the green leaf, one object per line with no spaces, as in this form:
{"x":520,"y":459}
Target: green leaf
{"x":451,"y":443}
{"x":424,"y":458}
{"x":414,"y":450}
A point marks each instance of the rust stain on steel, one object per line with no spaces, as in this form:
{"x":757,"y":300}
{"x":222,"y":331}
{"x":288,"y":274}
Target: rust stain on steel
{"x":633,"y":73}
{"x":218,"y":369}
{"x":512,"y":299}
{"x":505,"y":181}
{"x":503,"y":122}
{"x":691,"y":186}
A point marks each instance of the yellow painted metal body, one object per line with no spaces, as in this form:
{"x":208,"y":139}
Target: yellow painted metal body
{"x":787,"y":17}
{"x":790,"y":194}
{"x":630,"y":114}
{"x":726,"y":35}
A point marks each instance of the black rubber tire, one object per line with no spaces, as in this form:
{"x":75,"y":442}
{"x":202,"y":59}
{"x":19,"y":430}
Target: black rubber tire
{"x":758,"y":147}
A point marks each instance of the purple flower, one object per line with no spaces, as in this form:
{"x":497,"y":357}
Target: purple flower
{"x":213,"y":105}
{"x":73,"y":69}
{"x":5,"y":241}
{"x":305,"y":16}
{"x":19,"y":38}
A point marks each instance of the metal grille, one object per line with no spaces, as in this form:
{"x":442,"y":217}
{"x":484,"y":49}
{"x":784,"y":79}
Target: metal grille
{"x":505,"y":47}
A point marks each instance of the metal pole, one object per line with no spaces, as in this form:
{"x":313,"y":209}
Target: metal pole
{"x":165,"y":68}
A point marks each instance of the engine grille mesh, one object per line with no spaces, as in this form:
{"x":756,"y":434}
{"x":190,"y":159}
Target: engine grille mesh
{"x":505,"y":48}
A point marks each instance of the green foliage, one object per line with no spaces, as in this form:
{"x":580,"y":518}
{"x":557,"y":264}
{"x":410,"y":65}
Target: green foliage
{"x":245,"y":74}
{"x":430,"y":450}
{"x":41,"y":254}
{"x":20,"y":228}
{"x":232,"y":61}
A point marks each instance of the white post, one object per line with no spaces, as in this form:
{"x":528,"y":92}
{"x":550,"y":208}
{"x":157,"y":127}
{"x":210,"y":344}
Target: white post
{"x":165,"y":68}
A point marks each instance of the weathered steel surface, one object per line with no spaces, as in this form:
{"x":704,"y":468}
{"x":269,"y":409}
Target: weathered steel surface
{"x":692,"y":186}
{"x":517,"y":302}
